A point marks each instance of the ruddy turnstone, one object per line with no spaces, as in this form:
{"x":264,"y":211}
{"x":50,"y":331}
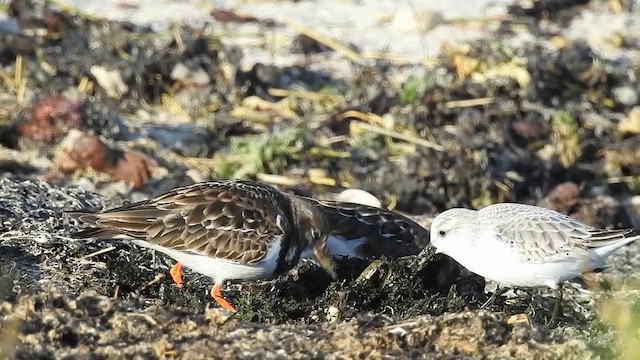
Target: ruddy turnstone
{"x":227,"y":230}
{"x":363,"y":231}
{"x":523,"y":245}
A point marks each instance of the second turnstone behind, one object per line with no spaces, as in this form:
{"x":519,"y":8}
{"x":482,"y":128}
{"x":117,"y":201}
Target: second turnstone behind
{"x":363,"y":231}
{"x":227,"y":230}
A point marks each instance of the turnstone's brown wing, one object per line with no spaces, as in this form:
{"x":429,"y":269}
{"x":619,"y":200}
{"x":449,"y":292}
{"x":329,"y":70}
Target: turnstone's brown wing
{"x":234,"y":220}
{"x":385,"y":232}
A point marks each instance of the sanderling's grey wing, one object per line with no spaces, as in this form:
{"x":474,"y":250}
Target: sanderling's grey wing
{"x":231,"y":220}
{"x":386,"y":232}
{"x":541,"y":235}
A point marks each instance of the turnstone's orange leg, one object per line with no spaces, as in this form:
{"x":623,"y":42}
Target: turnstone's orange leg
{"x":216,"y":294}
{"x":176,"y":274}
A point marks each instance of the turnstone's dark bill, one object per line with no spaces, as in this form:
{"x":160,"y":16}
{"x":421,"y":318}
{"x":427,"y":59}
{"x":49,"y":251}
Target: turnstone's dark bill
{"x":362,"y":231}
{"x":227,"y":230}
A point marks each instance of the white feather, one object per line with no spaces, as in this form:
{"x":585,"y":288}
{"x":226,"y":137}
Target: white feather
{"x":338,"y":247}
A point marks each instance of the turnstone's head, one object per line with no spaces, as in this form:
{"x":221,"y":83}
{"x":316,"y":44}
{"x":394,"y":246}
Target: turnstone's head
{"x":313,"y":229}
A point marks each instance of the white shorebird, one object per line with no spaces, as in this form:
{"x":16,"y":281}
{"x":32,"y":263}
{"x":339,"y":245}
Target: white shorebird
{"x":521,"y":245}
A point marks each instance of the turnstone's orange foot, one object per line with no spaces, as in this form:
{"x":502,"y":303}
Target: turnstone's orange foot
{"x":176,"y":274}
{"x":216,"y":294}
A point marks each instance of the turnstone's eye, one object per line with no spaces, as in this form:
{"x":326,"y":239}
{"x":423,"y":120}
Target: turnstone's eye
{"x":442,"y":233}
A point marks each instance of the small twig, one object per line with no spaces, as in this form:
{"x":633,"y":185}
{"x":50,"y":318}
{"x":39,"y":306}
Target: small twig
{"x":148,"y":318}
{"x":410,"y":324}
{"x":368,"y":117}
{"x":116,"y":292}
{"x":293,"y":181}
{"x":333,"y":140}
{"x":420,"y":26}
{"x":156,"y":280}
{"x":398,"y":136}
{"x":456,"y":104}
{"x":99,"y":252}
{"x":322,"y":180}
{"x":278,"y":179}
{"x":621,"y":179}
{"x":19,"y":80}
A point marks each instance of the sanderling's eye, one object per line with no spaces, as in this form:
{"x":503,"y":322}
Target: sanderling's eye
{"x":442,"y":233}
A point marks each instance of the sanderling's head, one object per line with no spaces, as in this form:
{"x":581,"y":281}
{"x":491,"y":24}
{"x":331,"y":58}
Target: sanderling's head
{"x":453,"y":229}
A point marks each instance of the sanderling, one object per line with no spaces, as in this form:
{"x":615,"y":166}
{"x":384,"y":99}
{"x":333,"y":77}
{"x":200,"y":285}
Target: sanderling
{"x":523,"y":245}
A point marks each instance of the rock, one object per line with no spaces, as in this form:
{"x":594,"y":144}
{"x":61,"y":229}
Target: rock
{"x":80,"y":151}
{"x":562,"y":198}
{"x":51,"y":118}
{"x":110,"y":80}
{"x":359,"y":197}
{"x":625,"y":95}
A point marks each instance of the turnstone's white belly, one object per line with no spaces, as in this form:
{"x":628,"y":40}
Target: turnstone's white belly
{"x":339,"y":247}
{"x":221,"y":269}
